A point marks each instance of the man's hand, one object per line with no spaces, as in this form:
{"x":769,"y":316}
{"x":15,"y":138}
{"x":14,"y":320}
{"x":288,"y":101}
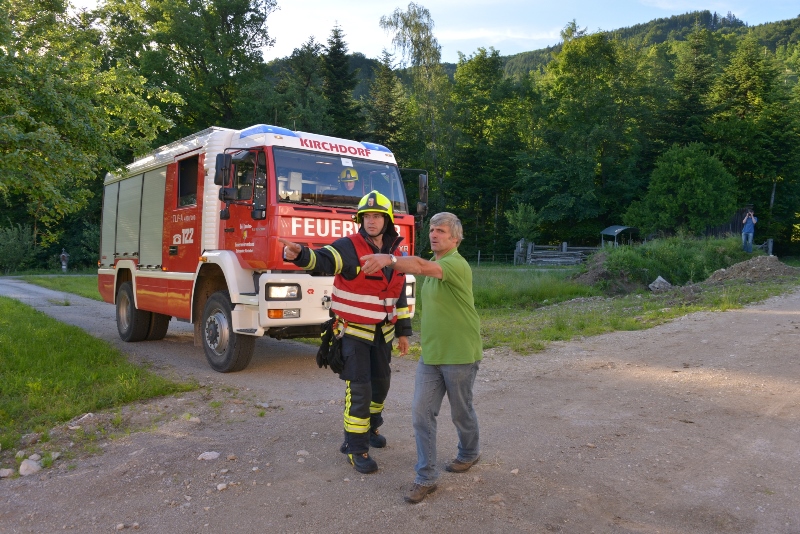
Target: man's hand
{"x":291,"y":251}
{"x":372,"y":263}
{"x":402,"y":345}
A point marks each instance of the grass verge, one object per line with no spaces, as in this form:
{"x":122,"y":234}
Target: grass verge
{"x":82,"y":285}
{"x":527,"y":331}
{"x":51,"y":372}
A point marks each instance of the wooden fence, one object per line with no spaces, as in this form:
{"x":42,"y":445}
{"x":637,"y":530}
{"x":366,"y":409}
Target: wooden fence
{"x":562,"y":254}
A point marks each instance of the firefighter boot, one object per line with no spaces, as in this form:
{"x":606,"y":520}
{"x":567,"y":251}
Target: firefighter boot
{"x":360,"y":460}
{"x":376,"y":440}
{"x":363,"y":463}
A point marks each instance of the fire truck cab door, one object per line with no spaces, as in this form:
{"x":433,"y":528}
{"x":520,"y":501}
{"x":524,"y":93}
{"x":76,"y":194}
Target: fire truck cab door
{"x":249,"y":181}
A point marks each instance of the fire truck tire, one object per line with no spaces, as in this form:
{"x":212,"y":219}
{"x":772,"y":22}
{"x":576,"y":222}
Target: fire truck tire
{"x":226,"y":351}
{"x":132,"y":324}
{"x":159,"y":325}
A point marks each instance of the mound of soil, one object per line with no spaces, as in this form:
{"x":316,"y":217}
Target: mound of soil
{"x":756,"y":269}
{"x":595,"y":270}
{"x":597,"y":273}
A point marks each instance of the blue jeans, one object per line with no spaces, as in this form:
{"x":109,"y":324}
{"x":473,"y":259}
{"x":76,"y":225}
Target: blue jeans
{"x":430,"y":385}
{"x":747,"y":241}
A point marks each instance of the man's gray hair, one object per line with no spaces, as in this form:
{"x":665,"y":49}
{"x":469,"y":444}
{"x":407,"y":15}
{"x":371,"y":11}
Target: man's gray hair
{"x":451,"y":221}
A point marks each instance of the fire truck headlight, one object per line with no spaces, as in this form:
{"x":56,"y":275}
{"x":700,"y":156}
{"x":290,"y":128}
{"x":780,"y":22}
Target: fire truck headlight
{"x":283,"y":292}
{"x":410,"y":290}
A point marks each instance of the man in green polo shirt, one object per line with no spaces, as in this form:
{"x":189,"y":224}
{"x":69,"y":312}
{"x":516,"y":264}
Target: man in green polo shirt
{"x":451,"y":349}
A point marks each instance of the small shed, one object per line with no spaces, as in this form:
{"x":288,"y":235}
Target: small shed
{"x":618,"y":233}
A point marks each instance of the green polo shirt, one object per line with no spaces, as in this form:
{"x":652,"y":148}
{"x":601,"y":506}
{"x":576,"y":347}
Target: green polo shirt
{"x":450,"y":325}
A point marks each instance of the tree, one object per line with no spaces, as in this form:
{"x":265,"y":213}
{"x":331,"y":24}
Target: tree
{"x":301,"y":91}
{"x":579,"y":169}
{"x":345,"y":117}
{"x":208,"y":51}
{"x":524,"y":222}
{"x":385,"y":105}
{"x":429,"y":113}
{"x":65,"y":116}
{"x":484,"y":128}
{"x":688,"y":111}
{"x":755,"y":131}
{"x":689,"y":190}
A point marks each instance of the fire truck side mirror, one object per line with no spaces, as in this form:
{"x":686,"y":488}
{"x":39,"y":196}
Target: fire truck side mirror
{"x":258,"y":214}
{"x":423,"y":188}
{"x":222,"y":169}
{"x":224,"y":214}
{"x":422,"y":210}
{"x":227,"y":194}
{"x":422,"y":205}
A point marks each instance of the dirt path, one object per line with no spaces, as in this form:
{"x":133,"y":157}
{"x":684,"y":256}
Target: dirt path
{"x":689,"y":427}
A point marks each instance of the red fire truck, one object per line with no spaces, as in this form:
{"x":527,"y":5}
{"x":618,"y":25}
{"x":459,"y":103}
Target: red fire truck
{"x":191,"y":231}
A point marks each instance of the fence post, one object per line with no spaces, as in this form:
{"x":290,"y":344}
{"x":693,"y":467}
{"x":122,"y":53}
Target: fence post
{"x":479,"y":258}
{"x":769,"y":247}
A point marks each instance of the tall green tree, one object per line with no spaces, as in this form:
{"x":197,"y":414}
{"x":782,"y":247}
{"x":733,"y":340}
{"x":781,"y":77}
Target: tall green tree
{"x":689,"y":190}
{"x":429,"y":111}
{"x":66,"y":117}
{"x":301,"y":90}
{"x":579,"y":170}
{"x":755,"y":131}
{"x":478,"y":186}
{"x":345,"y":114}
{"x":688,"y":111}
{"x":385,"y":105}
{"x":208,"y":51}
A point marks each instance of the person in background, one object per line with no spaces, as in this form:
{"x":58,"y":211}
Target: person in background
{"x":451,"y":350}
{"x":371,"y":309}
{"x":348,"y":177}
{"x":748,"y":230}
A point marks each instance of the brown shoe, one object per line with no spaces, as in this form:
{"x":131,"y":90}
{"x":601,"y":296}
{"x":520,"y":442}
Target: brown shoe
{"x":418,"y":493}
{"x":457,"y":466}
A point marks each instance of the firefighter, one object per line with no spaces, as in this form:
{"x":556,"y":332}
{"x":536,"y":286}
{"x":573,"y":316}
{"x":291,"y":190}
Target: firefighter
{"x":348,"y":178}
{"x":371,"y":311}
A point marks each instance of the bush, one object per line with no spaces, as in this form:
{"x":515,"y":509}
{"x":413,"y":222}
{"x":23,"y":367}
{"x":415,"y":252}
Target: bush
{"x":679,"y":260}
{"x":689,"y":190}
{"x":17,"y":249}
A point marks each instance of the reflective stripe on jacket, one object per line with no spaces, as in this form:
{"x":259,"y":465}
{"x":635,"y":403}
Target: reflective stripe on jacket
{"x":367,"y":299}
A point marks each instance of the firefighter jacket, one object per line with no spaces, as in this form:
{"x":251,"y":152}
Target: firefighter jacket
{"x":362,"y":303}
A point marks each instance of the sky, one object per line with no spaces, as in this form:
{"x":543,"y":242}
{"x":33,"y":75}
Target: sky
{"x":510,"y":26}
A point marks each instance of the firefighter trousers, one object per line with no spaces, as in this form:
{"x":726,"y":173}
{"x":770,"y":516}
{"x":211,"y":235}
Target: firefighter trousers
{"x":367,"y":375}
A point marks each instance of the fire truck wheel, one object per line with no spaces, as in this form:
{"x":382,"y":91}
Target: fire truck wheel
{"x":158,"y":327}
{"x":226,"y":351}
{"x":132,"y":324}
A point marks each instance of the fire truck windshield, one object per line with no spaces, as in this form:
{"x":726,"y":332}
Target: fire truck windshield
{"x":336,"y":181}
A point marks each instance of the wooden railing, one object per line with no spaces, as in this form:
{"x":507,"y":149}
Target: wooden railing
{"x":563,"y":254}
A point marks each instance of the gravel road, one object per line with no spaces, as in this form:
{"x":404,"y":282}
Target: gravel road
{"x":689,"y":427}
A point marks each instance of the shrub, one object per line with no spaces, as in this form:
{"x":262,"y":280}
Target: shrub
{"x":16,"y":247}
{"x":689,"y":190}
{"x":679,"y":260}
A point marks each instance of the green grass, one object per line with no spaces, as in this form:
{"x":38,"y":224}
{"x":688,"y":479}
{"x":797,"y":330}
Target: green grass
{"x":83,"y":285}
{"x":516,"y":288}
{"x":531,"y":330}
{"x":524,"y":287}
{"x":51,"y":372}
